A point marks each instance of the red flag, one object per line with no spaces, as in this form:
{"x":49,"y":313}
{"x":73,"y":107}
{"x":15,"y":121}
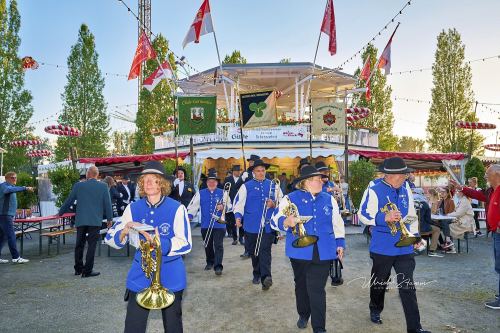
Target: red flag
{"x":201,"y":25}
{"x":365,"y":75}
{"x":368,"y":93}
{"x":143,"y":52}
{"x":328,"y":27}
{"x":151,"y":81}
{"x":385,"y":58}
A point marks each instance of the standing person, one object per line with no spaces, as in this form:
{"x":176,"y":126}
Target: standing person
{"x":411,"y":181}
{"x":311,"y":264}
{"x":114,"y":195}
{"x":475,"y":204}
{"x":383,"y":250}
{"x":248,"y":174}
{"x":283,"y":182}
{"x":210,"y":201}
{"x":236,"y":181}
{"x":8,"y":207}
{"x":127,"y":190}
{"x":250,"y":204}
{"x":93,"y":203}
{"x":170,"y":220}
{"x":183,"y":190}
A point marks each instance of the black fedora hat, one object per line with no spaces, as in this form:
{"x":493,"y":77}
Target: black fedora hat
{"x":321,"y":166}
{"x":257,"y":163}
{"x":307,"y":171}
{"x":253,"y":158}
{"x":154,"y":168}
{"x":394,"y":165}
{"x":212,"y":175}
{"x":236,"y":168}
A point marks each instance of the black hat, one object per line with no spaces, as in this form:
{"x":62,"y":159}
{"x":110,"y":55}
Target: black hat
{"x":125,"y":177}
{"x":394,"y":165}
{"x":253,"y":158}
{"x":236,"y":168}
{"x":212,"y":174}
{"x":154,"y":168}
{"x":321,"y":166}
{"x":304,"y":161}
{"x":257,"y":163}
{"x":307,"y":171}
{"x":180,"y":169}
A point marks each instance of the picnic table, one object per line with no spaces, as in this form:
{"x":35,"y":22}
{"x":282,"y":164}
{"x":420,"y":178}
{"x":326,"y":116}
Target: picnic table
{"x":35,"y":223}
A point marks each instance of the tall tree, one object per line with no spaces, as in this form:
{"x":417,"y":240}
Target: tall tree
{"x":84,"y":106}
{"x":285,"y":60}
{"x":156,"y":106}
{"x":452,"y":97}
{"x":408,"y":143}
{"x":380,"y":103}
{"x":235,"y":58}
{"x":15,"y":101}
{"x":123,"y":143}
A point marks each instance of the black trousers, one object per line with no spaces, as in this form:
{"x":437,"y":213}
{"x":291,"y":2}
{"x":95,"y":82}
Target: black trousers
{"x":91,"y":235}
{"x":476,"y":217}
{"x":214,"y":251}
{"x":262,"y":263}
{"x":136,"y":320}
{"x":231,"y":227}
{"x":404,"y":265}
{"x":310,"y":297}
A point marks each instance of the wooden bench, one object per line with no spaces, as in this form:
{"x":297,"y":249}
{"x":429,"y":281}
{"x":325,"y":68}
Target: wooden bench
{"x":57,"y":236}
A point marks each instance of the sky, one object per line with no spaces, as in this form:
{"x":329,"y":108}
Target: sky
{"x":265,"y":31}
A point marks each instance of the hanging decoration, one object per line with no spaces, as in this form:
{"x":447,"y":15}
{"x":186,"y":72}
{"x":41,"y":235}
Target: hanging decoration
{"x":29,"y":63}
{"x":39,"y":153}
{"x":25,"y":143}
{"x":63,"y":130}
{"x":492,"y":147}
{"x":474,"y":125}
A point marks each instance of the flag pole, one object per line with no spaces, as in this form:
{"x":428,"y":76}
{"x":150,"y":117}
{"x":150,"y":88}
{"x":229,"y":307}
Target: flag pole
{"x":240,"y":112}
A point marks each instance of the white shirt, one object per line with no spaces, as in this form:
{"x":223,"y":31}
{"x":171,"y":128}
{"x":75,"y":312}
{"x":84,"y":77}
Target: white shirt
{"x":181,"y":187}
{"x":236,"y":179}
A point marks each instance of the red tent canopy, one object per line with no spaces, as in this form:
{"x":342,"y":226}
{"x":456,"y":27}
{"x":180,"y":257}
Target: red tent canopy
{"x":99,"y":161}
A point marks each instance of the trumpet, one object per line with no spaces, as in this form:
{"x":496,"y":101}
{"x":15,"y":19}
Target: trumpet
{"x":406,"y":237}
{"x":303,"y":239}
{"x":215,"y":217}
{"x":276,"y":183}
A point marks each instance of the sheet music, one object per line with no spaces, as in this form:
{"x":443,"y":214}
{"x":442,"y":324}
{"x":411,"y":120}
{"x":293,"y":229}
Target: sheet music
{"x":133,"y":235}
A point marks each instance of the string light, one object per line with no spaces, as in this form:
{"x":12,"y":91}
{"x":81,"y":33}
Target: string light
{"x":484,"y":106}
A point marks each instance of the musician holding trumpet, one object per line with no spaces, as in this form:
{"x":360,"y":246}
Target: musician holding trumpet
{"x":157,"y":277}
{"x":255,"y":202}
{"x":212,"y":202}
{"x":314,"y":237}
{"x":387,"y":207}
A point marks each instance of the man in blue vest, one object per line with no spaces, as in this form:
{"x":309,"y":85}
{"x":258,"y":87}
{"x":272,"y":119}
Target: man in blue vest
{"x":8,"y":207}
{"x":383,"y":250}
{"x":93,"y":203}
{"x":210,"y":203}
{"x":250,"y":204}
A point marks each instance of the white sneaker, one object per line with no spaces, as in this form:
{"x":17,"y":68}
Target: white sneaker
{"x":435,"y":254}
{"x":452,"y":250}
{"x":20,"y":260}
{"x":4,"y":261}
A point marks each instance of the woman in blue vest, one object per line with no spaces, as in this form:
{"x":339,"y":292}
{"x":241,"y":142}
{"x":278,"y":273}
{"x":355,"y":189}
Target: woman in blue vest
{"x":209,"y":201}
{"x":311,"y":264}
{"x":171,"y":223}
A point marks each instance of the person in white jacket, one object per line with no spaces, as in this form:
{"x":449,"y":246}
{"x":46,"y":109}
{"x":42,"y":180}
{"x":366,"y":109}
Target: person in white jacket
{"x":465,"y":217}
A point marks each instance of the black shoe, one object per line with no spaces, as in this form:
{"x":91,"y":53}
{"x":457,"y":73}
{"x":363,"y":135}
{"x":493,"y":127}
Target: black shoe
{"x":245,"y":255}
{"x":208,"y":267}
{"x":419,"y":330}
{"x":256,"y":280}
{"x":235,"y":242}
{"x":337,"y":281}
{"x":91,"y":274}
{"x":320,"y":331}
{"x":78,"y":273}
{"x":302,"y":323}
{"x":375,"y":318}
{"x":218,"y":271}
{"x":267,"y":283}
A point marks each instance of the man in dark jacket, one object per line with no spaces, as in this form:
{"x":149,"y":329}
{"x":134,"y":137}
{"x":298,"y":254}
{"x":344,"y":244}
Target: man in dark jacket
{"x":127,"y":190}
{"x":236,"y":182}
{"x":183,"y":190}
{"x":93,"y":202}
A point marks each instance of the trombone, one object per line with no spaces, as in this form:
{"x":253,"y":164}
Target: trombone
{"x":215,"y":217}
{"x":276,"y":183}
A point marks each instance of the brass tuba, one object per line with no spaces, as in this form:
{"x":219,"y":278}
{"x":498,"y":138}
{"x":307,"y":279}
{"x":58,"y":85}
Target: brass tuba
{"x":406,"y":237}
{"x":303,"y":239}
{"x":154,"y":297}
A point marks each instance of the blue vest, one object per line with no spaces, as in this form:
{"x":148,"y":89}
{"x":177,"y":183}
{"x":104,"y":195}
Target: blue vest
{"x":327,"y":185}
{"x":321,"y":210}
{"x":208,"y":200}
{"x":257,"y":194}
{"x":173,"y":272}
{"x":383,"y":242}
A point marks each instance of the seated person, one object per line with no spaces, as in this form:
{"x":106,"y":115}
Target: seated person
{"x":426,"y":226}
{"x":446,"y":206}
{"x":465,"y":217}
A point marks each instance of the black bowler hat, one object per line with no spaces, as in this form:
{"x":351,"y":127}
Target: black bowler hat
{"x":304,"y":161}
{"x":321,"y":166}
{"x":236,"y":168}
{"x":212,"y":175}
{"x":253,"y":158}
{"x":154,"y":168}
{"x":394,"y":166}
{"x":257,"y":163}
{"x":308,"y":171}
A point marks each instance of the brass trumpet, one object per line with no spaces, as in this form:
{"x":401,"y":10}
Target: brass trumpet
{"x":303,"y":239}
{"x":406,"y":237}
{"x":154,"y":297}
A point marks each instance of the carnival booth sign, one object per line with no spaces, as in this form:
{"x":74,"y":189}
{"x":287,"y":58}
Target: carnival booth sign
{"x":197,"y":115}
{"x":328,"y":117}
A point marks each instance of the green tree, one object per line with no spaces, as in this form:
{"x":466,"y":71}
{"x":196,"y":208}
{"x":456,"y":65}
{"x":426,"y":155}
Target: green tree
{"x":62,"y":180}
{"x":475,"y":168}
{"x":408,"y":143}
{"x":155,"y":106}
{"x":285,"y":60}
{"x":123,"y":143}
{"x":452,"y":97}
{"x":15,"y":101}
{"x":360,"y":174}
{"x":84,"y":106}
{"x":235,"y":58}
{"x":380,"y":103}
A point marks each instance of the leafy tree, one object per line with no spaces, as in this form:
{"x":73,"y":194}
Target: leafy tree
{"x":155,"y":106}
{"x":408,"y":143}
{"x":452,"y":97}
{"x":285,"y":60}
{"x":380,"y":104}
{"x":475,"y":168}
{"x":123,"y":143}
{"x":62,"y":180}
{"x":235,"y":58}
{"x":26,"y":199}
{"x":360,"y":174}
{"x":15,"y":101}
{"x":84,"y":106}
